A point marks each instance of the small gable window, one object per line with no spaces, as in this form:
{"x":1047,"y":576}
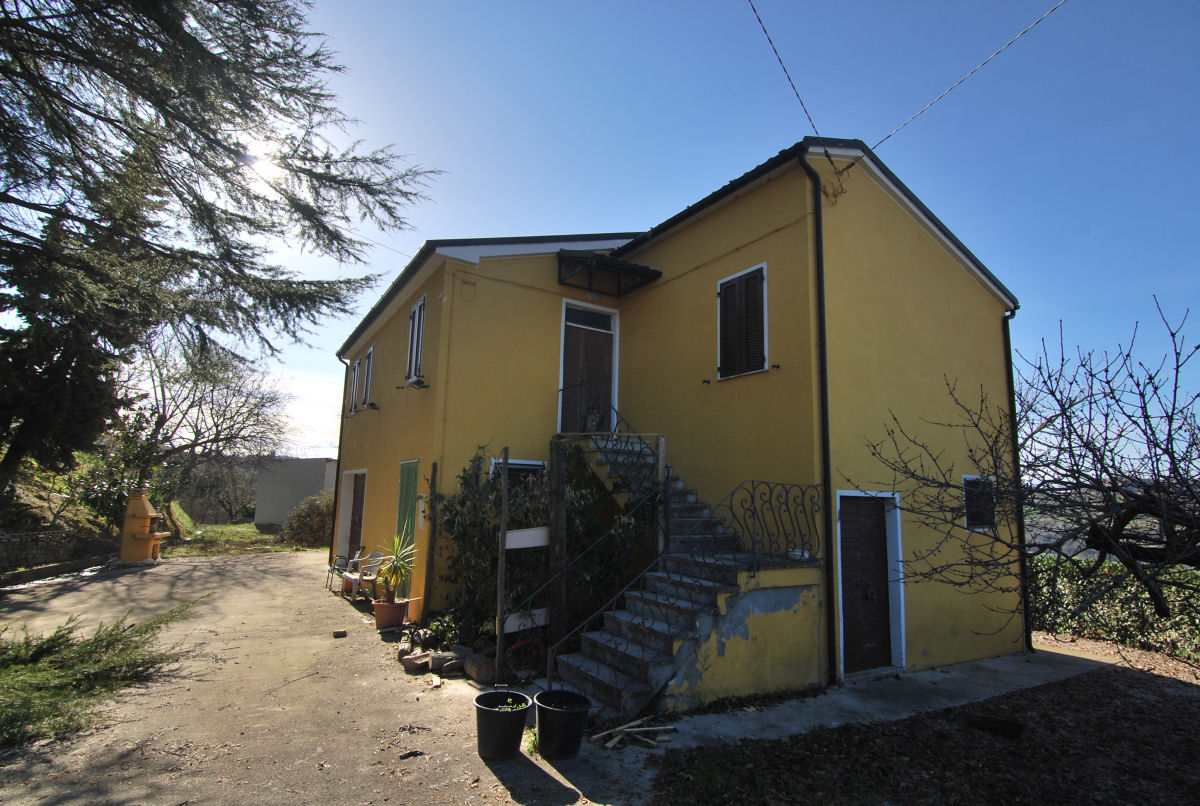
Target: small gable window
{"x":742,"y":323}
{"x":353,"y":396}
{"x":366,"y":395}
{"x":416,"y":338}
{"x":979,"y":502}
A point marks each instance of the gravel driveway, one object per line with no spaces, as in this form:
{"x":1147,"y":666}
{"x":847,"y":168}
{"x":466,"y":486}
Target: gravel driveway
{"x":269,"y":708}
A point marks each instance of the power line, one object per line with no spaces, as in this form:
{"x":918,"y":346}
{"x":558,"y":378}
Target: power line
{"x":385,"y":246}
{"x":783,"y":66}
{"x":979,"y":66}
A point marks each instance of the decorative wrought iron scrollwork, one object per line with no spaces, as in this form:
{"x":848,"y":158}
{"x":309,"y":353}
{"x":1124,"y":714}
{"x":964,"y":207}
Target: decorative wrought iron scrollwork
{"x":773,"y":519}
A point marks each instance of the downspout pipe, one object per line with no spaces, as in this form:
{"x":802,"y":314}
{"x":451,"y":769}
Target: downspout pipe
{"x":823,"y":383}
{"x":337,"y":478}
{"x":1022,"y":566}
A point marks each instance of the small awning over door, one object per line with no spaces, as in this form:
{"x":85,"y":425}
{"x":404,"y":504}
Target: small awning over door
{"x":601,"y":274}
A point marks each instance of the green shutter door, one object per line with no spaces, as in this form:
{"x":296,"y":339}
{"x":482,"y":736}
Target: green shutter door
{"x":406,"y":504}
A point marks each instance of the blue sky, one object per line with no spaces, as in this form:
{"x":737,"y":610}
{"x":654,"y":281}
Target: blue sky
{"x":1069,"y":164}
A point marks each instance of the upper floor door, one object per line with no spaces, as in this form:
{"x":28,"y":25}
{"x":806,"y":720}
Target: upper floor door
{"x":588,"y":370}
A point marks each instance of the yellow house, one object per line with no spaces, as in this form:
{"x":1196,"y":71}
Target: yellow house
{"x":766,"y":332}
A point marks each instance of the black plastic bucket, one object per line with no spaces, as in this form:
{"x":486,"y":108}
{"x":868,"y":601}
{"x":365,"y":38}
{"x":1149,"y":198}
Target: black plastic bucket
{"x":561,"y":717}
{"x":499,"y":722}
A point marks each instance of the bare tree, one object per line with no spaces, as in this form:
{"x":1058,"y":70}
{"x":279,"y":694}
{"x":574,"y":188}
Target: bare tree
{"x":206,"y":403}
{"x":186,"y":405}
{"x":1108,"y":488}
{"x":221,"y":489}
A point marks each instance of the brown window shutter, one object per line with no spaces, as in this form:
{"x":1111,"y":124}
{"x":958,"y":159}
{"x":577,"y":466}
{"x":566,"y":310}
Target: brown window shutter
{"x":731,"y":334}
{"x":742,"y":337}
{"x":755,"y":354}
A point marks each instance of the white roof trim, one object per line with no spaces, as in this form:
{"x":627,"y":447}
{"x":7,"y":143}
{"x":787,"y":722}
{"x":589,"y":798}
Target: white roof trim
{"x":818,"y":154}
{"x":473,"y":253}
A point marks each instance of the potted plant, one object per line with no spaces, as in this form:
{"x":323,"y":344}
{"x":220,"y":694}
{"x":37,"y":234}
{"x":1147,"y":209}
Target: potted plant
{"x":561,"y":718}
{"x":500,"y":718}
{"x":394,"y":574}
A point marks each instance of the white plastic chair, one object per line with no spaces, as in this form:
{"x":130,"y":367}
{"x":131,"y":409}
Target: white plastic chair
{"x":361,"y":573}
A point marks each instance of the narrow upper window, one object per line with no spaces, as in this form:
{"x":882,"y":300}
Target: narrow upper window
{"x":742,"y":323}
{"x":366,"y":395}
{"x":416,"y":337}
{"x":979,"y":502}
{"x":353,"y":396}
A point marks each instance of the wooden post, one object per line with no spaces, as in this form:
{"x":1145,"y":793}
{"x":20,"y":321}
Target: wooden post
{"x":664,"y":484}
{"x":430,"y":552}
{"x":558,"y":536}
{"x":503,"y":537}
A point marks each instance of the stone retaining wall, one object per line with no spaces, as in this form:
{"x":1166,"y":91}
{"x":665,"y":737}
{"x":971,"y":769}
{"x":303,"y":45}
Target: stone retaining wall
{"x":42,"y":547}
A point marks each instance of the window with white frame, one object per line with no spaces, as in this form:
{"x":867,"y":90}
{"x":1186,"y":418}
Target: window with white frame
{"x":522,"y":471}
{"x":366,"y":395}
{"x":979,"y":502}
{"x":416,"y":337}
{"x":353,"y":396}
{"x":742,"y":323}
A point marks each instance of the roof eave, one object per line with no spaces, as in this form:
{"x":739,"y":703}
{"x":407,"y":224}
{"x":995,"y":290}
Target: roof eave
{"x":430,"y":248}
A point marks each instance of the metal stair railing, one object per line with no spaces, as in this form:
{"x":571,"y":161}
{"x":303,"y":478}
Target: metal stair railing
{"x":773,"y":520}
{"x":773,"y":523}
{"x":639,"y":479}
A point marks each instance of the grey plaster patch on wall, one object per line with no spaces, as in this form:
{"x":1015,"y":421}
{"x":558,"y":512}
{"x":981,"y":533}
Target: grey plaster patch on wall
{"x":736,"y":622}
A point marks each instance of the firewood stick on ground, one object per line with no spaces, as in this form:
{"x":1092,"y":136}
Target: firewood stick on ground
{"x":626,"y":726}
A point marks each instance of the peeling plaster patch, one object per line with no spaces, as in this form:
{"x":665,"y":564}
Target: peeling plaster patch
{"x":736,"y":623}
{"x":733,"y":626}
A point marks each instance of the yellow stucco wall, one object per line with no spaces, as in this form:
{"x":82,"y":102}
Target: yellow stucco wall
{"x":904,"y":315}
{"x":761,"y":425}
{"x":491,"y":361}
{"x":766,"y":637}
{"x":400,"y":430}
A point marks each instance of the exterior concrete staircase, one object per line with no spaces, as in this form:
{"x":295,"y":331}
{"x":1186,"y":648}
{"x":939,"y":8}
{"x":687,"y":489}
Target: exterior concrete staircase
{"x":627,"y":658}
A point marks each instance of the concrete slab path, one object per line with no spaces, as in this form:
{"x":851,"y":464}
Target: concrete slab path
{"x":270,"y":708}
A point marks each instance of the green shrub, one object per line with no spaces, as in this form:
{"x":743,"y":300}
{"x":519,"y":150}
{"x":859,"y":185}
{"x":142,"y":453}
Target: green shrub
{"x":470,"y":518}
{"x":310,"y":523}
{"x":604,"y":543}
{"x":50,"y":684}
{"x":1108,"y":605}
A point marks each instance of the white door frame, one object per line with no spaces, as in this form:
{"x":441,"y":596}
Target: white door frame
{"x":345,"y":504}
{"x":895,"y":574}
{"x":562,"y":333}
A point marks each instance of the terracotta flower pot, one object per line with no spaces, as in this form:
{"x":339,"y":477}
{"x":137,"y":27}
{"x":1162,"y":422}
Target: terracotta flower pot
{"x":388,"y":615}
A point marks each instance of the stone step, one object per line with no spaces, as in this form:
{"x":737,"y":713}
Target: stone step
{"x":701,"y":591}
{"x":639,"y":661}
{"x":619,"y":695}
{"x":682,"y":495}
{"x":622,"y":443}
{"x":652,"y":633}
{"x":695,"y":526}
{"x":625,"y":456}
{"x":702,"y":543}
{"x":690,"y":510}
{"x":722,"y":567}
{"x":677,"y":611}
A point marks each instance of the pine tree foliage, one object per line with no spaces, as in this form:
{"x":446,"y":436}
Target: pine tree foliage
{"x":131,"y":195}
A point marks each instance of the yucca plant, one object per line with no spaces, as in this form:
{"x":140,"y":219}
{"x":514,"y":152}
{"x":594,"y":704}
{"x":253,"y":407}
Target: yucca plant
{"x":396,"y":567}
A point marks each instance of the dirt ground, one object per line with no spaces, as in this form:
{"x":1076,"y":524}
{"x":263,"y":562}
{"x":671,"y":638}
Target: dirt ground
{"x":270,"y":708}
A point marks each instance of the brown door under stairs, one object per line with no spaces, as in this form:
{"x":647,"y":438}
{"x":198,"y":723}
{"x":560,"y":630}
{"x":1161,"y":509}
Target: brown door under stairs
{"x":866,"y":613}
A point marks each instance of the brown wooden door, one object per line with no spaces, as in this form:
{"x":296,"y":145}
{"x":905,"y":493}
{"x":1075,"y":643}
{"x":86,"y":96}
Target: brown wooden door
{"x":356,"y":513}
{"x":587,"y":377}
{"x":866,"y":615}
